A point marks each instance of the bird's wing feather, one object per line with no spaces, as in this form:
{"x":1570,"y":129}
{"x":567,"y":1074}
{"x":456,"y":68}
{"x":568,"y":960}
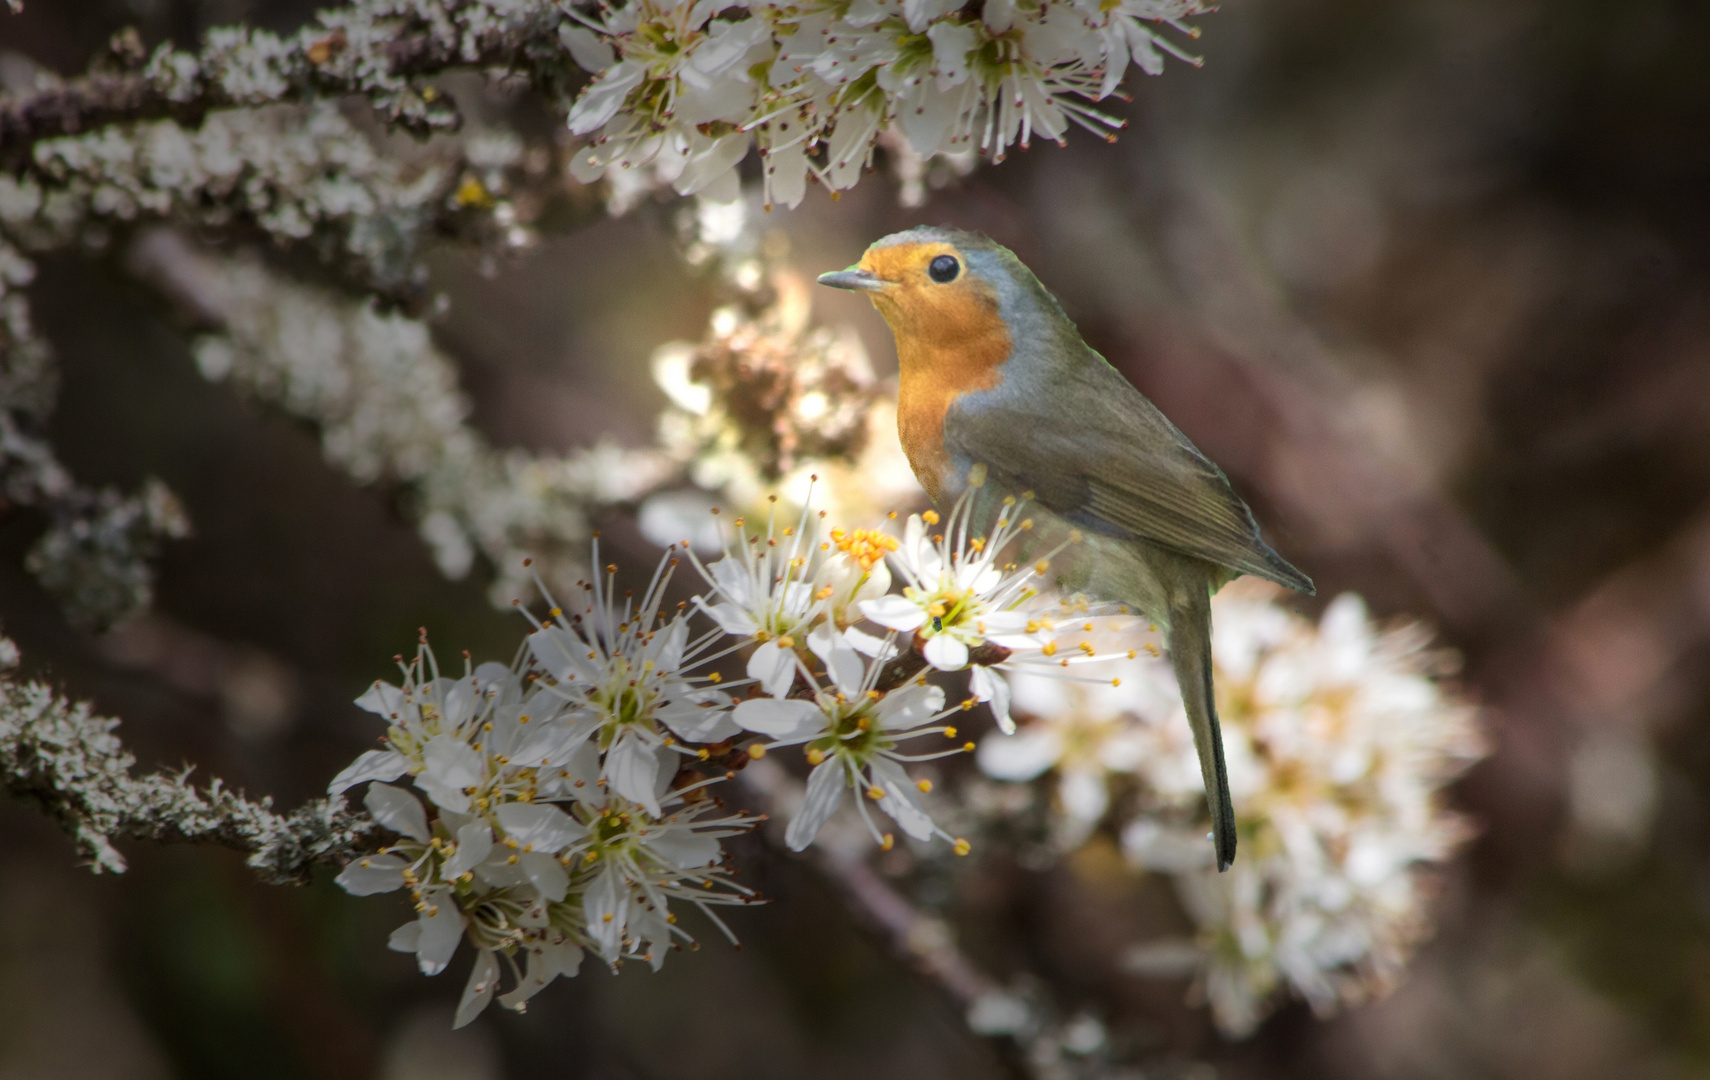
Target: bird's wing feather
{"x":1122,"y":469}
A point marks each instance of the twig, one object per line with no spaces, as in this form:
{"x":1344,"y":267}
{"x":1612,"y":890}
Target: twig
{"x":377,"y":49}
{"x":60,"y":755}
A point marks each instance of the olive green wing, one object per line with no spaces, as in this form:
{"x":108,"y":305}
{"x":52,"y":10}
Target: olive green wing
{"x":1092,"y":449}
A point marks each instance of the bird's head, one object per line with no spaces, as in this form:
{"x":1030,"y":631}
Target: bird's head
{"x":939,"y":287}
{"x":927,"y":281}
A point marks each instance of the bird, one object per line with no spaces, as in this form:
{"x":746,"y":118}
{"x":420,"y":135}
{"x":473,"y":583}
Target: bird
{"x":999,"y":397}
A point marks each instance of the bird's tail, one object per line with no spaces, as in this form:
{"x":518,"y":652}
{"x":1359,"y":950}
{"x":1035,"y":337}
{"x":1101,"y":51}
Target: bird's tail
{"x":1190,"y":652}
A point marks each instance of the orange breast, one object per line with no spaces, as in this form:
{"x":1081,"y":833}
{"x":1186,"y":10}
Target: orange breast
{"x":944,"y":353}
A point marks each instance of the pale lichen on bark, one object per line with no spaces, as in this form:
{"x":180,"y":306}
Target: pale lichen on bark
{"x":57,"y":753}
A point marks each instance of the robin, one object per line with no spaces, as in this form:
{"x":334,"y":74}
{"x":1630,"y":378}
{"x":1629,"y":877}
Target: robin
{"x":995,"y":375}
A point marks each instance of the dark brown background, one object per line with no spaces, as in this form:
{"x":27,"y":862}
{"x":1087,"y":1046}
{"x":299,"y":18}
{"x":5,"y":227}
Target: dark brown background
{"x":1429,"y":279}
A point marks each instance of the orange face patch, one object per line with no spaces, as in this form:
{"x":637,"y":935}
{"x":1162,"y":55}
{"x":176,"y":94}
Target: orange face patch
{"x":951,"y":340}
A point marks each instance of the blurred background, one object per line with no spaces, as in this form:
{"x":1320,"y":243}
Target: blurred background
{"x":1429,"y":279}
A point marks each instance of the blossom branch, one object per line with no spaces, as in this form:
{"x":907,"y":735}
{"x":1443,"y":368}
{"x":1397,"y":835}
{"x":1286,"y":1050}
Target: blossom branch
{"x":376,"y":49}
{"x":57,"y":753}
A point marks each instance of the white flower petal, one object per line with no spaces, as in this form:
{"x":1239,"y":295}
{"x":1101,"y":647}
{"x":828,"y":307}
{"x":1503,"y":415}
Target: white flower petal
{"x":546,"y":961}
{"x":546,"y":874}
{"x":988,"y":686}
{"x":1020,"y":757}
{"x":382,"y":699}
{"x":603,"y":97}
{"x":589,"y":51}
{"x":441,"y":930}
{"x":697,"y":715}
{"x":539,"y":826}
{"x":478,"y":991}
{"x":373,"y":765}
{"x":841,"y":660}
{"x":824,"y":791}
{"x":373,"y":874}
{"x":607,"y":906}
{"x":908,"y":707}
{"x":895,"y":613}
{"x":774,"y":667}
{"x":946,"y":652}
{"x":630,"y":768}
{"x":398,"y":810}
{"x":899,"y":798}
{"x":683,"y":848}
{"x":785,"y":720}
{"x":450,"y":767}
{"x":474,"y":844}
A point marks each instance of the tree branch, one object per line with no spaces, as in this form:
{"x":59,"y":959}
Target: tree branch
{"x":58,"y":754}
{"x":377,"y":49}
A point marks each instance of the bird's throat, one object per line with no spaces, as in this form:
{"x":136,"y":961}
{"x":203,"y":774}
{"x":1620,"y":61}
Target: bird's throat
{"x":939,"y":363}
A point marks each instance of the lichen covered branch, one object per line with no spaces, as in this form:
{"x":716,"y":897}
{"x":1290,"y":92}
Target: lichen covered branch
{"x":381,"y":51}
{"x":57,"y":753}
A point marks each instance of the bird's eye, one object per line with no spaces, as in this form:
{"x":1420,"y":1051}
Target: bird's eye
{"x":944,"y":269}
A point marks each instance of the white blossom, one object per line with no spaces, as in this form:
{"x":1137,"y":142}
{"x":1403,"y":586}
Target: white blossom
{"x":619,"y":671}
{"x":1339,"y":743}
{"x":683,"y":89}
{"x":852,"y":733}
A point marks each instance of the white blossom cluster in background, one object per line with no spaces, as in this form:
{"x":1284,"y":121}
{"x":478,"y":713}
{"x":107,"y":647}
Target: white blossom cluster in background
{"x":563,"y":808}
{"x":1339,"y":744}
{"x":685,"y":88}
{"x":388,"y":406}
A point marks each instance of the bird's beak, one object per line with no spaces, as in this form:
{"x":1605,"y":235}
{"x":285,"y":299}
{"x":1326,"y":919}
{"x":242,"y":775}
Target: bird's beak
{"x":854,"y":278}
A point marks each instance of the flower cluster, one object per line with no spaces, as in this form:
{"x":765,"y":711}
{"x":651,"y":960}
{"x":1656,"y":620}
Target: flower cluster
{"x":835,"y":679}
{"x":683,"y":89}
{"x":561,"y":819}
{"x":1339,"y":743}
{"x":564,"y":808}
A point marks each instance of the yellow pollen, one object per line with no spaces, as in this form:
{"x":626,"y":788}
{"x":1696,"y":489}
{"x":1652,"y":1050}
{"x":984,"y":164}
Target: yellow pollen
{"x":512,"y":861}
{"x":756,"y":751}
{"x":961,"y":846}
{"x":924,"y":786}
{"x":864,"y":546}
{"x":607,"y":917}
{"x":874,"y":695}
{"x":1131,"y":654}
{"x":1050,"y":648}
{"x":1152,"y":650}
{"x":825,"y":593}
{"x":523,"y":719}
{"x":875,"y":793}
{"x":930,"y":517}
{"x":702,"y":754}
{"x":672,"y":919}
{"x":1026,"y":524}
{"x":1116,"y":682}
{"x":815,"y":757}
{"x":967,"y":748}
{"x":864,"y":723}
{"x":1041,"y":566}
{"x":556,"y":612}
{"x":938,"y":610}
{"x":978,"y":543}
{"x":715,"y":677}
{"x":949,"y":733}
{"x":786,"y":642}
{"x":887,"y":842}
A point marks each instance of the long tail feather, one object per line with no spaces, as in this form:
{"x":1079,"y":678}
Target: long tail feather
{"x":1190,"y":652}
